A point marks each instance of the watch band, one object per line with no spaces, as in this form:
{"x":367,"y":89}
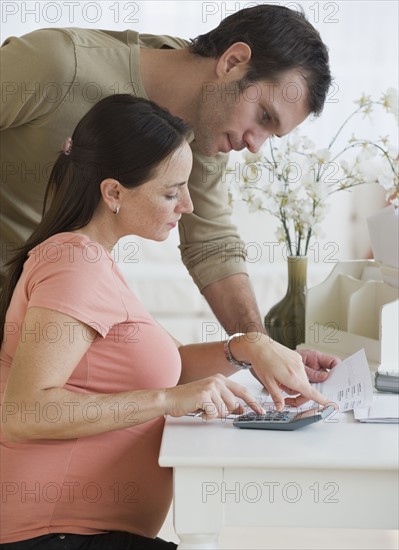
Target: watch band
{"x":229,"y":356}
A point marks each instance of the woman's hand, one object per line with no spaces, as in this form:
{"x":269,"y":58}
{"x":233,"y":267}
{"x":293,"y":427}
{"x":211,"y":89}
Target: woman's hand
{"x":215,"y":395}
{"x":277,"y":368}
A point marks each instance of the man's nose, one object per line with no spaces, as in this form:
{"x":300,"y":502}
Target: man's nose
{"x":255,"y":139}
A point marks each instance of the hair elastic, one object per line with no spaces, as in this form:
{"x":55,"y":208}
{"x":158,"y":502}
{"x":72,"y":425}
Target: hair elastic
{"x":66,"y":148}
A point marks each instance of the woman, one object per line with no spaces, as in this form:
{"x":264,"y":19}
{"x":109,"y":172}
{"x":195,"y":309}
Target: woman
{"x":87,"y":374}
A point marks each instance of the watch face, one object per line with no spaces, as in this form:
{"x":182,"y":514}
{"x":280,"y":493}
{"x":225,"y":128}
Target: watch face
{"x":244,"y":366}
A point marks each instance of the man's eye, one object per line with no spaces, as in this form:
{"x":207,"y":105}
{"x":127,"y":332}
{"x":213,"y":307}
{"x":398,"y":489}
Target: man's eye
{"x":265,"y":116}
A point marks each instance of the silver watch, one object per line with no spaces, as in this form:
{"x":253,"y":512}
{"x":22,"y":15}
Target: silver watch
{"x":229,"y":356}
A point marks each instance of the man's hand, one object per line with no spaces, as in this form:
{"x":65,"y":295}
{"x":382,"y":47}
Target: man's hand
{"x":317,"y":364}
{"x":278,"y":368}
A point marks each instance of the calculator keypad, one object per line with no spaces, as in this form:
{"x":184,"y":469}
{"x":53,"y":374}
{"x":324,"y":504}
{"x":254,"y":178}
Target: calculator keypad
{"x":284,"y":420}
{"x":270,"y":416}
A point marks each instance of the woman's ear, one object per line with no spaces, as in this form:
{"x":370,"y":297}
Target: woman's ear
{"x":111,"y":194}
{"x":236,"y":58}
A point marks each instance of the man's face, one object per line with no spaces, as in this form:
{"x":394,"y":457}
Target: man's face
{"x":227,"y":119}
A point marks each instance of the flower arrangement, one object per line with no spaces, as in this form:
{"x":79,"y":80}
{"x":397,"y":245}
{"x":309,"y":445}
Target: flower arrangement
{"x":292,"y":179}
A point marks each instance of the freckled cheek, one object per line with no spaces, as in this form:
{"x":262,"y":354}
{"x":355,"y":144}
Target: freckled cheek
{"x":166,"y":213}
{"x":161,"y":212}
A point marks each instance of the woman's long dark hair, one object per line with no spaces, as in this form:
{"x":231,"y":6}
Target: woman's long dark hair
{"x":121,"y":137}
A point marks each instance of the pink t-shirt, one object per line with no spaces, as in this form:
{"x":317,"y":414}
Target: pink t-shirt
{"x":103,"y":482}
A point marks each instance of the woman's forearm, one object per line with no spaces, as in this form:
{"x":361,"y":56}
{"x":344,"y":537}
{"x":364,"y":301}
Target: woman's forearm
{"x":202,"y":360}
{"x":57,"y":413}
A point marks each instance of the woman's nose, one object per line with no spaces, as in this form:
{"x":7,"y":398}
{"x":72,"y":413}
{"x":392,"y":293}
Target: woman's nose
{"x":185,"y":204}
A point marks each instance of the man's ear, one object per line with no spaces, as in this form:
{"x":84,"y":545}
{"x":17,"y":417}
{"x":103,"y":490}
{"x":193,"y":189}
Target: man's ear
{"x":111,"y":193}
{"x":234,"y":60}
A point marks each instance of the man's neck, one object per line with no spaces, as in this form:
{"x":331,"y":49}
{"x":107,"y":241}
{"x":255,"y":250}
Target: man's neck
{"x":173,"y":79}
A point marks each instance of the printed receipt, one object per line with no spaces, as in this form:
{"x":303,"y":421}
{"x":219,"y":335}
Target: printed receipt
{"x":349,"y":384}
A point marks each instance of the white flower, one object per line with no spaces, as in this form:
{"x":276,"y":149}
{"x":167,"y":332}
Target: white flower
{"x":251,"y":158}
{"x":269,"y":203}
{"x":322,"y":155}
{"x":280,"y":234}
{"x":367,"y":151}
{"x":247,"y":195}
{"x":308,"y":182}
{"x":307,"y":143}
{"x":390,"y":101}
{"x":252,"y":172}
{"x":305,"y":218}
{"x":277,"y":187}
{"x":255,"y":205}
{"x":364,"y":100}
{"x":385,"y":180}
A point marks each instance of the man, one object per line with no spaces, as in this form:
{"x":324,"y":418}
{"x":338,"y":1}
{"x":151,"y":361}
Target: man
{"x":261,"y":72}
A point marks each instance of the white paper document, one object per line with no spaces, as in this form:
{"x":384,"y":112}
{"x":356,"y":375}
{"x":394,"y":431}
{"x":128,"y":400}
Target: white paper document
{"x":349,"y":383}
{"x":384,"y":409}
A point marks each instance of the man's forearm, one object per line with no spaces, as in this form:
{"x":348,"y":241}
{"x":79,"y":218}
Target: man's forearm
{"x":233,"y":302}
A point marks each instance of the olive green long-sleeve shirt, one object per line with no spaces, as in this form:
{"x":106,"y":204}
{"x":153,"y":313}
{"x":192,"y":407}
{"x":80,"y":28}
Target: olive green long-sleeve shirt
{"x":50,"y":78}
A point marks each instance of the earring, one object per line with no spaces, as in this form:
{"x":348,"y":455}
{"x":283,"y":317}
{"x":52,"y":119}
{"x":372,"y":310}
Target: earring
{"x":117,"y":208}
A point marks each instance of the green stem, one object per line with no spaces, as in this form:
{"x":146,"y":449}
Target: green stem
{"x":309,"y":234}
{"x":286,"y":230}
{"x":298,"y":248}
{"x":359,"y":143}
{"x":347,"y":188}
{"x":272,"y":152}
{"x":346,"y":122}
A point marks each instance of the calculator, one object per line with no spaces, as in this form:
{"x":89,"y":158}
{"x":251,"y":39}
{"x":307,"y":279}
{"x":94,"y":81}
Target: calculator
{"x":284,"y":420}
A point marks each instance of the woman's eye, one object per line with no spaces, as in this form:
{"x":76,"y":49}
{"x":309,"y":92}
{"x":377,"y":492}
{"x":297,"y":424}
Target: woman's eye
{"x":171,"y":197}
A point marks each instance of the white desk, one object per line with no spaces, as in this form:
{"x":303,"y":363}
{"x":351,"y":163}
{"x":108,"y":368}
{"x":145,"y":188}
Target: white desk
{"x":340,"y":474}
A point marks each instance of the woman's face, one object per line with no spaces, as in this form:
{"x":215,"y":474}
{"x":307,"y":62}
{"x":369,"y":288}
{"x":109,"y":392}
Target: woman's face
{"x":154,"y":208}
